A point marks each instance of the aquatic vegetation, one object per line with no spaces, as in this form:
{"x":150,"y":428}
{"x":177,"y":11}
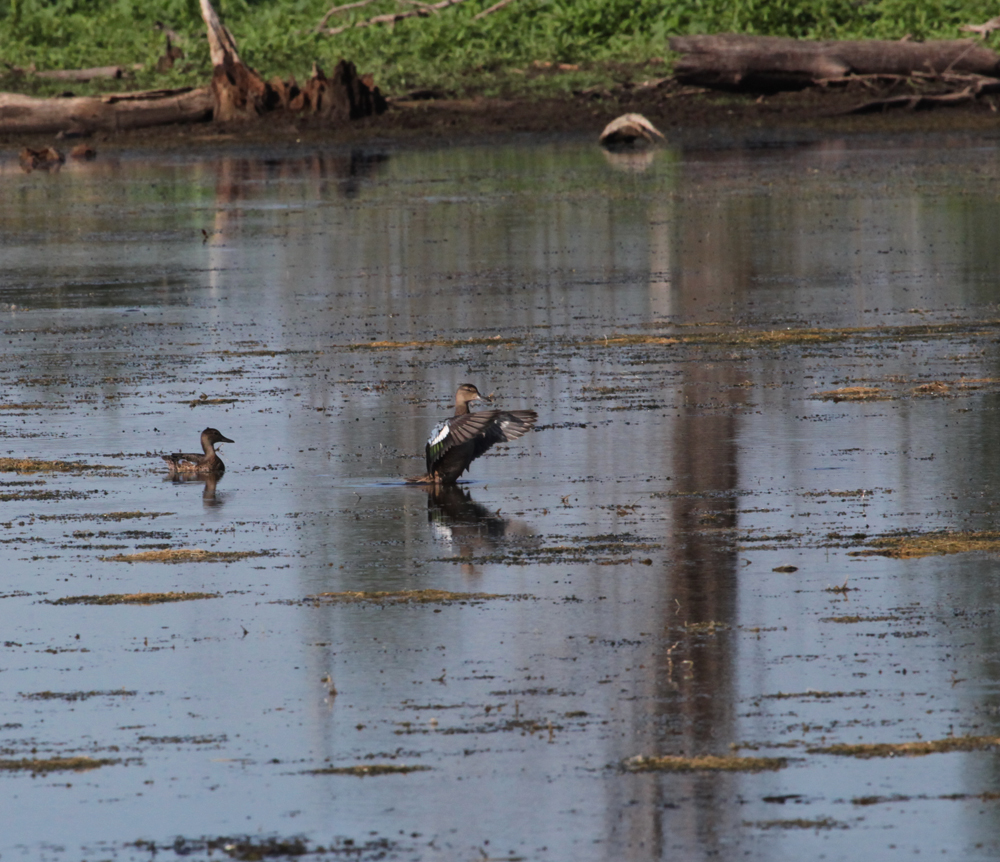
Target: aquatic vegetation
{"x":43,"y":765}
{"x":185,"y":555}
{"x":910,"y":546}
{"x":33,"y":465}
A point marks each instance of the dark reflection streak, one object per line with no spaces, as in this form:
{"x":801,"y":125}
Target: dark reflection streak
{"x":694,"y":685}
{"x":209,"y":480}
{"x":237,"y":177}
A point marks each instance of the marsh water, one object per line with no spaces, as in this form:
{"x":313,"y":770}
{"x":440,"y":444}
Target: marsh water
{"x":683,"y":558}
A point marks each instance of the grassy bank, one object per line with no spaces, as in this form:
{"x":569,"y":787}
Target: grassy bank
{"x":504,"y":53}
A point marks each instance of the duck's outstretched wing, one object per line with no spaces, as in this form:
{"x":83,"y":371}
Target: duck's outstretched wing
{"x":468,"y":436}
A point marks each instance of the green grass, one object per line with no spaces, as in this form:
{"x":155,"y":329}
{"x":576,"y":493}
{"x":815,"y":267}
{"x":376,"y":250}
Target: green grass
{"x":610,"y":40}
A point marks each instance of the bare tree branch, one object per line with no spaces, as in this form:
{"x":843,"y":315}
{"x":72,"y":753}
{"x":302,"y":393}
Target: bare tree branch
{"x":982,"y":29}
{"x":491,"y":10}
{"x":393,"y":17}
{"x":336,"y":10}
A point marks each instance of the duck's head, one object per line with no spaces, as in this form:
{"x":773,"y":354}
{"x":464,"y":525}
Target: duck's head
{"x":467,"y":392}
{"x":212,"y":435}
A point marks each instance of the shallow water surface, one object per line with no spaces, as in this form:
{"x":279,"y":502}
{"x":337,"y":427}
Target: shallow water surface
{"x":754,"y":370}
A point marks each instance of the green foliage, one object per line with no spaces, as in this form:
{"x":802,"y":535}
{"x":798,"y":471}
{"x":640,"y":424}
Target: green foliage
{"x":608,"y":39}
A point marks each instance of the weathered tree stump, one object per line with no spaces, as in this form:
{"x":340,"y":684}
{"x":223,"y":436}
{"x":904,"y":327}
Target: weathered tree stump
{"x":344,"y":96}
{"x":240,"y":93}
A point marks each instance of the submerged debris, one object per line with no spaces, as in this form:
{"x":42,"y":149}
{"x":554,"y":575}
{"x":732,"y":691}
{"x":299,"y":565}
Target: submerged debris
{"x":854,"y":393}
{"x":132,"y":598}
{"x":493,"y":341}
{"x":253,"y":849}
{"x":365,"y":770}
{"x":185,"y":555}
{"x":986,"y":796}
{"x":800,"y":823}
{"x":72,"y":696}
{"x":399,"y":597}
{"x":705,"y":762}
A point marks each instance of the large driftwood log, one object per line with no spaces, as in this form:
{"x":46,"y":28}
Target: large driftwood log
{"x":771,"y":63}
{"x":21,"y":114}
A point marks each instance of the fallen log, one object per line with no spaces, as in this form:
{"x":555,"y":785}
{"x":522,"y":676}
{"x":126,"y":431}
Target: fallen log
{"x":734,"y":61}
{"x":81,"y":115}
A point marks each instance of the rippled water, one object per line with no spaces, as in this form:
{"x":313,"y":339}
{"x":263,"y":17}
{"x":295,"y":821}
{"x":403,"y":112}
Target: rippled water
{"x":671,"y":317}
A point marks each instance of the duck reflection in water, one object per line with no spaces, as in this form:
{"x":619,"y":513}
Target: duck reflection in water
{"x":470,"y":528}
{"x":209,"y":480}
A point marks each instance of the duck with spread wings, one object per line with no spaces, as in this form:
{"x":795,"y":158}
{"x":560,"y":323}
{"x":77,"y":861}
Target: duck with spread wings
{"x":457,"y":441}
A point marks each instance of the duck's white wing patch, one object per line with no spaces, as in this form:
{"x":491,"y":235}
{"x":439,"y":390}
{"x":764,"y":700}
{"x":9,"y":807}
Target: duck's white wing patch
{"x":438,"y":434}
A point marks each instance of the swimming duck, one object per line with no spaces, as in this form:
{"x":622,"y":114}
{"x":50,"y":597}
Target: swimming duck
{"x":456,"y":442}
{"x":191,"y":462}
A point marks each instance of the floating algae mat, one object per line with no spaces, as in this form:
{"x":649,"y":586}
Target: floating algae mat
{"x":31,"y":465}
{"x":913,"y":546}
{"x":917,"y":748}
{"x":133,"y":599}
{"x":44,"y":765}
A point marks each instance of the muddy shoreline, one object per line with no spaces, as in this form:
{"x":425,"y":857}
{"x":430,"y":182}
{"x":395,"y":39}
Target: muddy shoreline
{"x":687,"y":116}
